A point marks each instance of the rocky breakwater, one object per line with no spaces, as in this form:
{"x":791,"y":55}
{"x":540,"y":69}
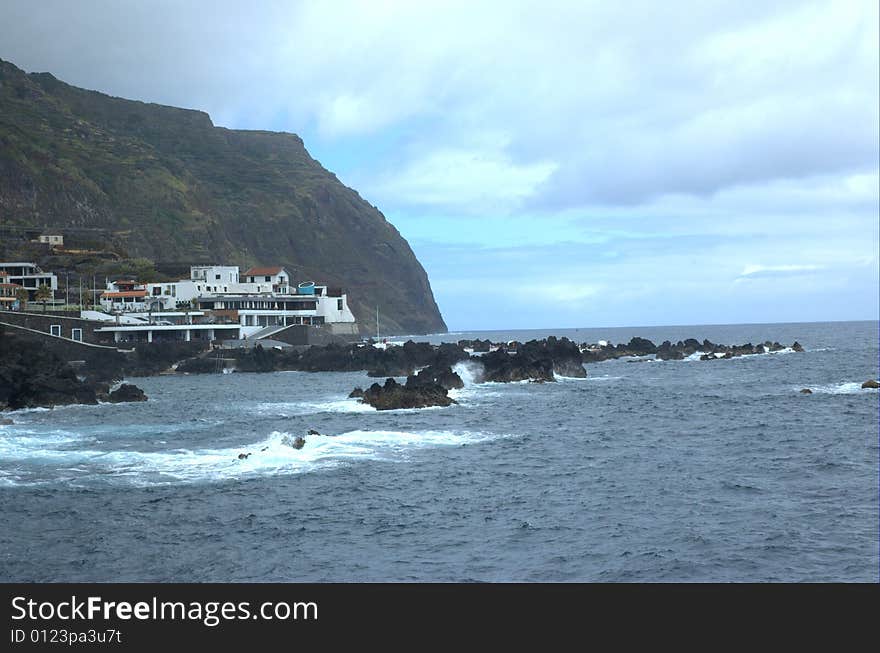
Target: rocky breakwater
{"x":32,"y":377}
{"x":536,"y":360}
{"x":378,"y":362}
{"x":641,"y":348}
{"x":430,"y":387}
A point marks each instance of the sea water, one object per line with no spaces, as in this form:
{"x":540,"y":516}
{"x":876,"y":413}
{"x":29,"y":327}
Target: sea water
{"x":644,"y":471}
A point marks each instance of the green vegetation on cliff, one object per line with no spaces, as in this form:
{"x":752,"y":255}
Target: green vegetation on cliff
{"x":136,"y":181}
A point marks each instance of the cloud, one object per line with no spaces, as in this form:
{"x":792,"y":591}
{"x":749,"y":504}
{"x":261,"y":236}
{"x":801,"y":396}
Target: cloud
{"x":760,"y":271}
{"x":599,"y":104}
{"x":637,"y":162}
{"x":479,"y":179}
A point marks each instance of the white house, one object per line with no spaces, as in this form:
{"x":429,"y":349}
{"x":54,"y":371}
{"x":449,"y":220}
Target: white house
{"x":172,"y":295}
{"x":125,"y":295}
{"x":276,"y":277}
{"x":55,"y":240}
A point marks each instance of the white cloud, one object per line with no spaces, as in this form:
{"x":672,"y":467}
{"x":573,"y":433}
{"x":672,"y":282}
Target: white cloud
{"x":679,"y":154}
{"x":776,"y":270}
{"x":555,"y":291}
{"x":626,"y":102}
{"x":478,"y":179}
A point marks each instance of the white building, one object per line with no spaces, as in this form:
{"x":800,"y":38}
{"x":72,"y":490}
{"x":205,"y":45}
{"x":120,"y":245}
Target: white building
{"x":256,"y":304}
{"x":277,"y":278}
{"x":55,"y":240}
{"x":30,"y":277}
{"x":266,"y":313}
{"x":173,"y":295}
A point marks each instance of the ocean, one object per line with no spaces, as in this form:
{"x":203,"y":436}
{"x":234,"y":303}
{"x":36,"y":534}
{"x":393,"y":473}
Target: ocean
{"x":643,"y":472}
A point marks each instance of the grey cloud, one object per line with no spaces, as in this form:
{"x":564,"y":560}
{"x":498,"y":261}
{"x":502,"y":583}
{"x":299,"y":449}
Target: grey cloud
{"x":623,"y":102}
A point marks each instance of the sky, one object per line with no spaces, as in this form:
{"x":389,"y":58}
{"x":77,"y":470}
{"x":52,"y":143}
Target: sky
{"x":552,"y":164}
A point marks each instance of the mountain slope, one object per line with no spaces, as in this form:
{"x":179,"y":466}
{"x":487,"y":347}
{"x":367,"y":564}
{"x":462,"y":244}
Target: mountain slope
{"x":162,"y":183}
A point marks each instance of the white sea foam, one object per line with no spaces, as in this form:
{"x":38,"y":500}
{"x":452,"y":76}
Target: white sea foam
{"x":23,"y":442}
{"x":292,"y":408}
{"x":697,"y":354}
{"x":566,"y":379}
{"x":267,"y":457}
{"x":470,"y":372}
{"x":845,"y":388}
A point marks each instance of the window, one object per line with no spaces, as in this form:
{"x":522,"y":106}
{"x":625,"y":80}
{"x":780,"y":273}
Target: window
{"x":55,"y":330}
{"x":217,"y":277}
{"x":268,"y":278}
{"x":338,"y":304}
{"x":76,"y":334}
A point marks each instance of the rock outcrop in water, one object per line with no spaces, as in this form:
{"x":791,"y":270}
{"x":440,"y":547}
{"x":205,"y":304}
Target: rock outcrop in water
{"x":415,"y":393}
{"x":640,"y":347}
{"x":436,"y":375}
{"x":391,"y":361}
{"x":126,"y":392}
{"x":870,"y":385}
{"x":536,"y":360}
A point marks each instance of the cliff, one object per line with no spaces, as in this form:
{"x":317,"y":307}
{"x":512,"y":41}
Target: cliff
{"x":156,"y":188}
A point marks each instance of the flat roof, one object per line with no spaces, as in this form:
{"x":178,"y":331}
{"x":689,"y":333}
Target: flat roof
{"x":168,"y":327}
{"x":126,"y":293}
{"x":283,"y":298}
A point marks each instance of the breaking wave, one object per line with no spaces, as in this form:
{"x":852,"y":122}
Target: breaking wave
{"x":296,"y":408}
{"x":845,"y":388}
{"x":469,"y":371}
{"x":271,"y":456}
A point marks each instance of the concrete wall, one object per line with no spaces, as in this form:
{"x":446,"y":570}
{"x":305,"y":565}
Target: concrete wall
{"x":40,"y":322}
{"x":67,"y":350}
{"x":303,"y":334}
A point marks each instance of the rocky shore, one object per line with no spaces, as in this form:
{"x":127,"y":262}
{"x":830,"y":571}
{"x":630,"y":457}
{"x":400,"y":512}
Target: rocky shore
{"x":31,"y":376}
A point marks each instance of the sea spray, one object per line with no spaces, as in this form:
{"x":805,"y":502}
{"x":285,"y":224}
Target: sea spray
{"x":470,"y":372}
{"x":268,"y":457}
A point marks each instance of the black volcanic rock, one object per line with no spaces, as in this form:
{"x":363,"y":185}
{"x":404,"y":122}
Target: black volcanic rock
{"x":501,"y":367}
{"x":436,"y":375}
{"x":31,"y":376}
{"x":534,"y":360}
{"x":395,"y":361}
{"x":142,"y":181}
{"x":415,"y":394}
{"x":391,"y":361}
{"x":126,"y":392}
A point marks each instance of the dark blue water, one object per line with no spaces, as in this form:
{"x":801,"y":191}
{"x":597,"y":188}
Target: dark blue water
{"x":664,"y":471}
